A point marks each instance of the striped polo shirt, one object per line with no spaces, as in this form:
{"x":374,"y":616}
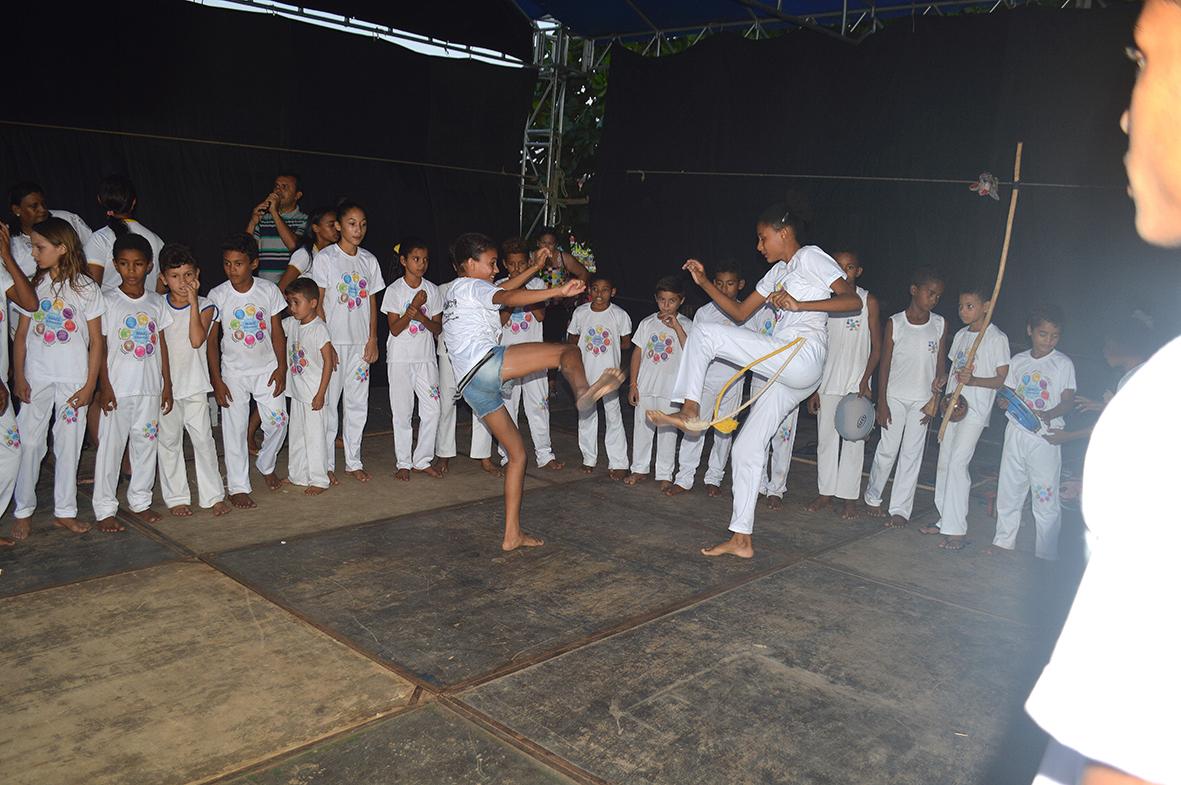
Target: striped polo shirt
{"x":272,"y":253}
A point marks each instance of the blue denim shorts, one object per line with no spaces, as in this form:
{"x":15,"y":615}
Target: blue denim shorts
{"x":485,"y":392}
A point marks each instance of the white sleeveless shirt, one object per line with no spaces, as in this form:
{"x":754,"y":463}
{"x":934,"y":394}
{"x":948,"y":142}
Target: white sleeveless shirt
{"x":915,"y":357}
{"x":848,"y":349}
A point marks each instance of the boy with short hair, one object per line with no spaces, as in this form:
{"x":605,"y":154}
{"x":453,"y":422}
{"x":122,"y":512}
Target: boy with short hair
{"x":134,"y":385}
{"x":247,"y":352}
{"x":602,"y":331}
{"x":192,"y":316}
{"x":309,"y":371}
{"x":653,"y":371}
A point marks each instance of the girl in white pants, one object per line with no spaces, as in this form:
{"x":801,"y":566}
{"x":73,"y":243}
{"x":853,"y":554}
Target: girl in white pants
{"x":57,"y":355}
{"x":801,"y":292}
{"x":349,"y":279}
{"x":14,"y":288}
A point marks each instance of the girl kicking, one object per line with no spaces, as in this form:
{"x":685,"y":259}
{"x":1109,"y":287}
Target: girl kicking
{"x":802,"y":290}
{"x":471,"y":329}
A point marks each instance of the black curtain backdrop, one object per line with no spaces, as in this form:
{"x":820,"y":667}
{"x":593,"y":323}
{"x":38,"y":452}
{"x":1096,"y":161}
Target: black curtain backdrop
{"x":948,"y":98}
{"x":243,"y":81}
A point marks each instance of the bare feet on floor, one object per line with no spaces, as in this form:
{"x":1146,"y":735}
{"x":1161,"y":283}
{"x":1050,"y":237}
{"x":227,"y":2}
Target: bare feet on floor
{"x":774,"y":503}
{"x":181,"y":511}
{"x":443,"y":465}
{"x":431,"y":471}
{"x":554,"y":466}
{"x":313,"y":490}
{"x":849,"y":511}
{"x":874,"y":512}
{"x":818,"y":504}
{"x":522,"y":540}
{"x":242,"y":501}
{"x":273,"y":480}
{"x":402,"y":474}
{"x":587,"y":469}
{"x":20,"y":528}
{"x":996,"y":550}
{"x":675,"y":490}
{"x":931,"y":529}
{"x":220,"y":508}
{"x":954,"y":542}
{"x":632,"y":479}
{"x":147,"y":516}
{"x":713,"y":490}
{"x":665,"y":485}
{"x":487,"y":465}
{"x":7,"y":543}
{"x":360,"y":475}
{"x":78,"y":527}
{"x":107,"y":525}
{"x":617,"y":474}
{"x":608,"y":382}
{"x":739,"y":545}
{"x":332,"y":479}
{"x":896,"y":522}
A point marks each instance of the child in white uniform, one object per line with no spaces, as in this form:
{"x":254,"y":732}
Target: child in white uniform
{"x":854,"y":348}
{"x":188,"y":367}
{"x":912,"y":368}
{"x":414,"y":310}
{"x":953,"y":485}
{"x":1043,"y":377}
{"x":134,"y":386}
{"x":309,"y":373}
{"x":16,"y":289}
{"x":116,"y":196}
{"x":349,"y":279}
{"x":247,"y":357}
{"x":56,"y":357}
{"x":801,"y":291}
{"x":602,"y":331}
{"x":654,"y":364}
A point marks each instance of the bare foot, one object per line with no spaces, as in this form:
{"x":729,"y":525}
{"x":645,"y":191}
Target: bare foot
{"x":739,"y":545}
{"x":313,"y":490}
{"x":522,"y":540}
{"x":849,"y":511}
{"x":487,"y":465}
{"x":675,"y":419}
{"x":632,"y":479}
{"x":675,"y":490}
{"x":896,"y":522}
{"x":107,"y":525}
{"x":360,"y":475}
{"x":819,"y":503}
{"x":875,"y":512}
{"x":608,"y":382}
{"x":332,"y":479}
{"x":587,"y":469}
{"x":774,"y":503}
{"x":220,"y":508}
{"x":996,"y":550}
{"x":242,"y":501}
{"x":274,"y":481}
{"x":665,"y":485}
{"x":443,"y":465}
{"x":7,"y":543}
{"x":713,"y":491}
{"x":932,"y":529}
{"x":554,"y":466}
{"x":181,"y":511}
{"x":954,"y":542}
{"x":402,"y":474}
{"x":617,"y":474}
{"x":147,"y":516}
{"x":255,"y":443}
{"x":431,"y":471}
{"x":20,"y":529}
{"x":78,"y":527}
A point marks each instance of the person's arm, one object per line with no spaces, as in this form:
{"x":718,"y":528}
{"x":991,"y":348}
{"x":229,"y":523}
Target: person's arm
{"x":573,"y":266}
{"x":996,"y":382}
{"x":369,"y":354}
{"x":625,"y":342}
{"x":1098,"y":774}
{"x":95,"y":362}
{"x":257,"y":213}
{"x":519,"y":280}
{"x":399,"y":322}
{"x":677,"y":328}
{"x":20,"y":385}
{"x":289,"y":276}
{"x":873,"y":317}
{"x":289,"y":238}
{"x":432,"y":323}
{"x":21,"y":291}
{"x":221,"y":393}
{"x":941,"y":362}
{"x":320,"y":306}
{"x":279,"y":345}
{"x":1064,"y":406}
{"x":517,"y":297}
{"x":96,"y":272}
{"x":883,"y":408}
{"x":738,"y":311}
{"x":633,"y":393}
{"x":166,"y":394}
{"x":328,"y":358}
{"x":844,"y":299}
{"x":199,"y":327}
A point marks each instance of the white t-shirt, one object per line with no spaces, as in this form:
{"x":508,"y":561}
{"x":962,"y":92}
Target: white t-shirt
{"x":245,"y":319}
{"x":915,"y":357}
{"x":415,"y":344}
{"x":762,"y":321}
{"x":99,"y":250}
{"x":301,"y":259}
{"x":5,"y":285}
{"x":471,"y":322}
{"x":809,"y":275}
{"x":599,"y":336}
{"x":305,"y":363}
{"x":1112,"y":687}
{"x":58,"y":340}
{"x":22,"y":244}
{"x":348,"y":283}
{"x":188,"y":367}
{"x":992,"y":355}
{"x":521,"y":326}
{"x":132,"y":327}
{"x":660,"y":355}
{"x":1040,"y":381}
{"x":848,"y":349}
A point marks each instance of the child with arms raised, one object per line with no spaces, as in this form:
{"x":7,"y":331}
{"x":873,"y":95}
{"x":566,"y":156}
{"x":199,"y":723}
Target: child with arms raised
{"x":309,"y":372}
{"x":471,"y":327}
{"x":16,"y":289}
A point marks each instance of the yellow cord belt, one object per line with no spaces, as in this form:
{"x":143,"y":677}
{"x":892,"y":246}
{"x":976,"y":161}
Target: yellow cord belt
{"x":727,"y":423}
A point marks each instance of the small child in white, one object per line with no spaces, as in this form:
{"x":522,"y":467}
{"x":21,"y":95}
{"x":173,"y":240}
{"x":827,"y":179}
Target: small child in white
{"x":188,"y":368}
{"x":309,"y":372}
{"x":349,"y":279}
{"x":247,"y":356}
{"x":134,"y":385}
{"x":414,"y":309}
{"x":602,"y":330}
{"x":654,"y":365}
{"x":14,"y":288}
{"x":1043,"y":377}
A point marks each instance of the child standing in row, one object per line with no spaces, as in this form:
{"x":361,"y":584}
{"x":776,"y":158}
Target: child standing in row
{"x":414,"y":310}
{"x":854,"y":348}
{"x":981,"y":380}
{"x":912,"y":368}
{"x":602,"y":330}
{"x":57,"y":355}
{"x":134,"y":386}
{"x":1043,"y":377}
{"x":654,"y":367}
{"x":309,"y":372}
{"x":247,"y":353}
{"x":16,"y":289}
{"x":188,"y":368}
{"x":117,"y":198}
{"x":349,"y":279}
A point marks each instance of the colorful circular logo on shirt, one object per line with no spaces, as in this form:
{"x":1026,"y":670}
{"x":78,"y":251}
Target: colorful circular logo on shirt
{"x":137,"y":335}
{"x":1034,"y":390}
{"x":362,"y":372}
{"x":520,"y":320}
{"x":296,"y":359}
{"x":784,"y":432}
{"x":277,"y":418}
{"x":659,"y":347}
{"x":598,"y":340}
{"x":353,"y":289}
{"x":54,"y":321}
{"x":12,"y":437}
{"x":553,"y":276}
{"x":1043,"y":494}
{"x":434,"y":392}
{"x":416,"y":326}
{"x":766,"y":326}
{"x":248,"y":325}
{"x":853,"y":323}
{"x":152,"y":430}
{"x":69,"y":415}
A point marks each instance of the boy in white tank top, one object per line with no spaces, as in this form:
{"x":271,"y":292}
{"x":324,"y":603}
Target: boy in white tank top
{"x":913,"y":366}
{"x":854,"y":348}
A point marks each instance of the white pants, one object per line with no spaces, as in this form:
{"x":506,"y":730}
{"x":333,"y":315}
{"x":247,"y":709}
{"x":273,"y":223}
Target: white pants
{"x":133,"y":426}
{"x":1029,"y":460}
{"x":192,"y":415}
{"x":532,"y":392}
{"x":10,"y":453}
{"x":782,"y":444}
{"x":666,"y":440}
{"x":350,"y":384}
{"x":953,"y":484}
{"x":445,"y":433}
{"x":48,"y":404}
{"x":838,"y":461}
{"x":692,"y":444}
{"x":407,"y":382}
{"x":615,"y":438}
{"x":307,"y":463}
{"x":904,"y":440}
{"x":273,"y":413}
{"x":481,"y":446}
